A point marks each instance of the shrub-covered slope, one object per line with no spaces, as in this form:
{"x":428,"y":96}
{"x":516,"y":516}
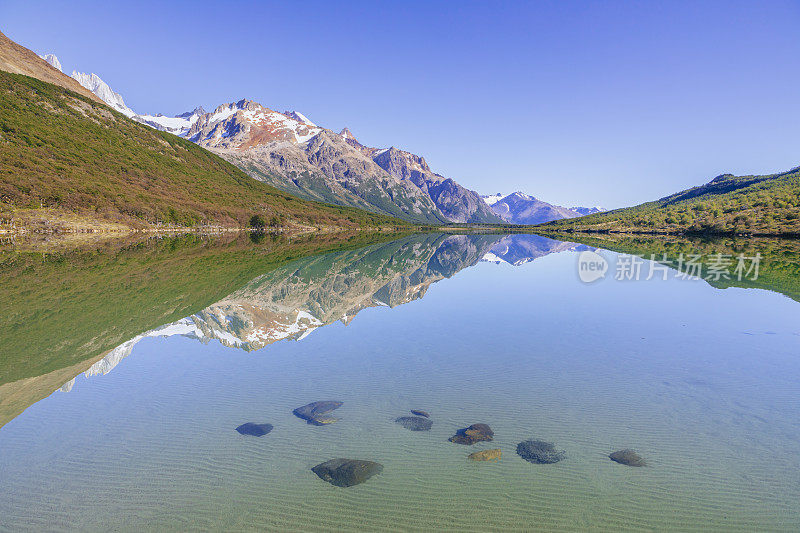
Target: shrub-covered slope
{"x":768,"y":205}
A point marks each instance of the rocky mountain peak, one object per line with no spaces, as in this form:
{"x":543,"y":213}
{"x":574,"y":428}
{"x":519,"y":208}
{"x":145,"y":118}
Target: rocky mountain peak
{"x":53,"y":60}
{"x":197,"y":111}
{"x":520,"y":196}
{"x":521,"y":208}
{"x":248,"y":124}
{"x":94,"y":83}
{"x":401,"y":164}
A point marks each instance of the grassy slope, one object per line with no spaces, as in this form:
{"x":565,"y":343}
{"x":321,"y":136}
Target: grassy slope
{"x":61,"y":309}
{"x":762,"y":205}
{"x":60,"y":149}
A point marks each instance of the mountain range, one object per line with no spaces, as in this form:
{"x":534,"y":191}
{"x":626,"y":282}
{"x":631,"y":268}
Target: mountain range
{"x":521,"y":208}
{"x":291,"y":153}
{"x":64,"y":150}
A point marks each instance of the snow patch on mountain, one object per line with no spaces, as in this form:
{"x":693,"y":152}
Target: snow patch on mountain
{"x":296,"y":115}
{"x":177,"y":125}
{"x":588,"y":210}
{"x":492,"y":199}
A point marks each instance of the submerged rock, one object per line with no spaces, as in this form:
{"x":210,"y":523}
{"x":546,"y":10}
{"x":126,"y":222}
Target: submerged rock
{"x":471,"y":435}
{"x":420,"y":412}
{"x":539,"y":452}
{"x":347,"y":472}
{"x":486,"y":455}
{"x":627,"y":457}
{"x":415,"y":423}
{"x":316,"y":412}
{"x":256,"y":430}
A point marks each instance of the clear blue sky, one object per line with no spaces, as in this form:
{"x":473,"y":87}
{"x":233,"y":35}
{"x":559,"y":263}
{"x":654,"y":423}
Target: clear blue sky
{"x":584,"y":103}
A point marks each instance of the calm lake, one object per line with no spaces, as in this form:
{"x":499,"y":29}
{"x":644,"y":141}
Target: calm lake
{"x":125,"y":371}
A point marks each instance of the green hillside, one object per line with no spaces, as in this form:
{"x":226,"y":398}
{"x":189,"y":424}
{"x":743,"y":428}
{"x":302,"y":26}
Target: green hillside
{"x":755,"y":205}
{"x":61,"y":150}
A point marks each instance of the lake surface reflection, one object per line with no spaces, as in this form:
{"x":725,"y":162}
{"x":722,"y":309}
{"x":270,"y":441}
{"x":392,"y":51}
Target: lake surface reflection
{"x":153,"y":387}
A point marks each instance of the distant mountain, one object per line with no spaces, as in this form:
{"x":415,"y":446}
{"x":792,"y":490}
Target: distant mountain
{"x":524,"y":209}
{"x":177,"y":125}
{"x":53,"y":60}
{"x":583,"y":211}
{"x":519,"y":249}
{"x":492,"y":199}
{"x":728,"y":204}
{"x":93,"y":83}
{"x":520,"y":208}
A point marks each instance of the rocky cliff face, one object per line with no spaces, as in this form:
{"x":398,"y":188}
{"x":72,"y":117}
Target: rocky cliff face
{"x":456,"y":203}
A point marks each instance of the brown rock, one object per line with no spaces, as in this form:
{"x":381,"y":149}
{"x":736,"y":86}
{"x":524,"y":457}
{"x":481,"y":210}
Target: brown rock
{"x":628,"y":458}
{"x":347,"y":472}
{"x":472,"y":434}
{"x":486,"y":455}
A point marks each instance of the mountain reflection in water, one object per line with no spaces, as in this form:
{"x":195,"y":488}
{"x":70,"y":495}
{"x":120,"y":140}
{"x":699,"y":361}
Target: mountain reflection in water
{"x":290,"y":302}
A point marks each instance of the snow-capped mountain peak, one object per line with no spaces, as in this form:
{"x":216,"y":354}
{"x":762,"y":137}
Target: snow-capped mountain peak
{"x":245,"y":124}
{"x":492,"y":199}
{"x":94,"y":83}
{"x":588,"y":210}
{"x":53,"y":60}
{"x":521,"y":196}
{"x":347,"y":134}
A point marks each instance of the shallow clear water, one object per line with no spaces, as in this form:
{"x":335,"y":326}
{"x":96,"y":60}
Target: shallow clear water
{"x":702,"y":382}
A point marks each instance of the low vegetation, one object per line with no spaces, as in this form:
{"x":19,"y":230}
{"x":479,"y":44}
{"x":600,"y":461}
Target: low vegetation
{"x":748,"y":205}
